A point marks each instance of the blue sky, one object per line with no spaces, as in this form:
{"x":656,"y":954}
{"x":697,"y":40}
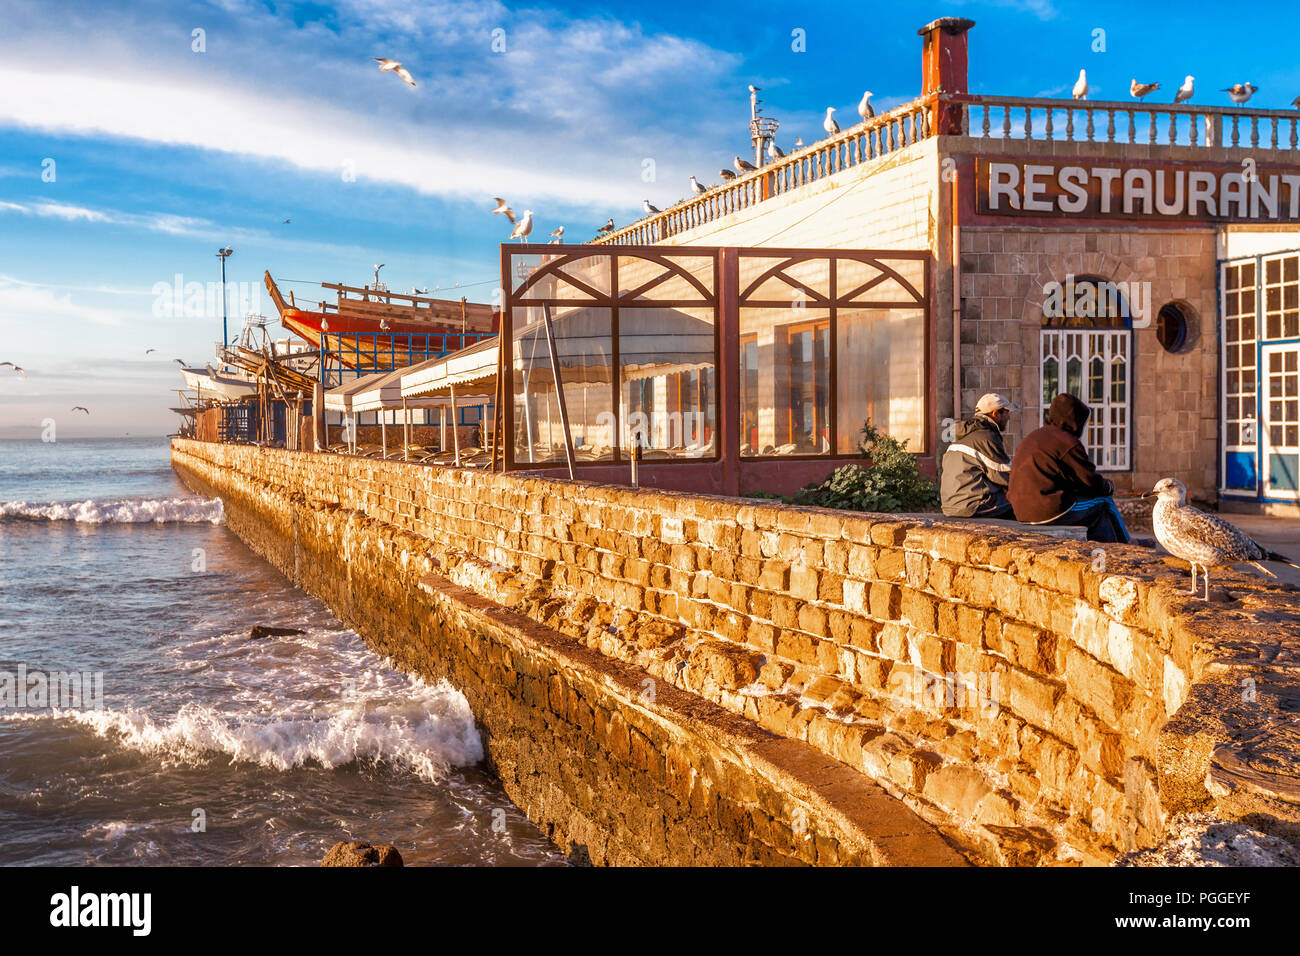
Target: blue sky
{"x":162,"y":154}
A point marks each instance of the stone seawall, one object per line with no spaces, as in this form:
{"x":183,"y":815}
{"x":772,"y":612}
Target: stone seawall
{"x":664,"y":677}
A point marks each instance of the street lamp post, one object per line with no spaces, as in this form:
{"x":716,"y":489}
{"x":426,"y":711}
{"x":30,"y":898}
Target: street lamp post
{"x":224,"y":254}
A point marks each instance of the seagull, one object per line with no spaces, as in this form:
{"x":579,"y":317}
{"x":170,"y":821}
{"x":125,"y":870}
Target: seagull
{"x":753,"y":88}
{"x":608,"y":227}
{"x":394,"y":66}
{"x":1202,"y":539}
{"x":1080,"y":91}
{"x":649,"y":209}
{"x":523,"y":227}
{"x":17,"y":368}
{"x":1296,"y":102}
{"x":287,"y":221}
{"x":1140,"y":90}
{"x":742,"y":166}
{"x":503,"y":209}
{"x":865,"y":109}
{"x":829,"y":123}
{"x":147,"y":351}
{"x":180,"y":362}
{"x":81,"y":408}
{"x":798,"y":142}
{"x":557,"y":235}
{"x":324,"y":325}
{"x":383,"y":325}
{"x":697,"y":187}
{"x":1240,"y":92}
{"x":727,"y":175}
{"x":774,"y":151}
{"x":1185,"y":91}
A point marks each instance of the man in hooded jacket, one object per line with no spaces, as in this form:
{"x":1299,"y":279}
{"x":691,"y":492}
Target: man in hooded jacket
{"x":1053,"y":481}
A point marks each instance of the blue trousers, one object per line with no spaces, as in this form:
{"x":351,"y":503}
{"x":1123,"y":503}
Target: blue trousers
{"x":1100,"y":517}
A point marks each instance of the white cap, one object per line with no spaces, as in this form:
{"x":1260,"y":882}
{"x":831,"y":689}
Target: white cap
{"x":990,"y":402}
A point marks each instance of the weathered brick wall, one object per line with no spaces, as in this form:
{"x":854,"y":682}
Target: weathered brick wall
{"x":1009,"y":691}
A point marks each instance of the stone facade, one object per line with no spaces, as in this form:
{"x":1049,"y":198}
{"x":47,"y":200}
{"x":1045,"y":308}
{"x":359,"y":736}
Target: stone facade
{"x":1030,"y":700}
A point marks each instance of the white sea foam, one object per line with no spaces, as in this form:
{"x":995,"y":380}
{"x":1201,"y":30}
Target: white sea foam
{"x":423,"y":733}
{"x":119,"y":511}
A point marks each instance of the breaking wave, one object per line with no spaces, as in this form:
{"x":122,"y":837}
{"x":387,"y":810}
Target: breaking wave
{"x":118,"y":511}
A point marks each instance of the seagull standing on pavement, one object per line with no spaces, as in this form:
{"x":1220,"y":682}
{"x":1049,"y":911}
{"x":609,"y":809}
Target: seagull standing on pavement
{"x":1185,"y":91}
{"x":394,"y":66}
{"x":1080,"y":91}
{"x":1239,"y":93}
{"x":503,"y":209}
{"x":1140,"y":90}
{"x":829,"y":123}
{"x":1203,"y":540}
{"x":865,"y":109}
{"x":523,"y":227}
{"x":742,"y":166}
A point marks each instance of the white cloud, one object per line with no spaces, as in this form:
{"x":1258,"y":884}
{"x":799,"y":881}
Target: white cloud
{"x":29,"y":303}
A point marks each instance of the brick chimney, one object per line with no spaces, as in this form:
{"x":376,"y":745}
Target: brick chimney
{"x":943,"y":66}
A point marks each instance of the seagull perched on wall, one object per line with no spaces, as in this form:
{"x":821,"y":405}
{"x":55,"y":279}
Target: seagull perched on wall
{"x":865,"y":109}
{"x":727,"y":175}
{"x":742,"y":166}
{"x":18,"y":369}
{"x":829,"y":123}
{"x":1203,"y":540}
{"x":523,"y":227}
{"x":394,"y":66}
{"x":1185,"y":91}
{"x":1296,"y":102}
{"x":798,"y":142}
{"x":698,"y":187}
{"x":1239,"y":93}
{"x":1080,"y":91}
{"x":556,"y":235}
{"x":608,"y":227}
{"x":1140,"y":90}
{"x":503,"y":209}
{"x":774,"y":151}
{"x":649,"y":209}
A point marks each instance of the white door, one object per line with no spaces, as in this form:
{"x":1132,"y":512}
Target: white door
{"x":1280,"y":427}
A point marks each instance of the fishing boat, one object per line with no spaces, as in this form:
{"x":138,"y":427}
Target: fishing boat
{"x":211,"y":384}
{"x":373,"y":329}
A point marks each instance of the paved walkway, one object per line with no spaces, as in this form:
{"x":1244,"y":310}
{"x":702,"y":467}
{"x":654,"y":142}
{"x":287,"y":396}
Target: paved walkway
{"x":1277,"y":534}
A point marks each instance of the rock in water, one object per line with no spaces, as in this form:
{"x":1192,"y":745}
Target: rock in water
{"x":357,"y":853}
{"x":260,"y":631}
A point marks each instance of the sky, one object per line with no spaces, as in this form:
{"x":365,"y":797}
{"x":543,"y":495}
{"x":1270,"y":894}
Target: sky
{"x":136,"y":139}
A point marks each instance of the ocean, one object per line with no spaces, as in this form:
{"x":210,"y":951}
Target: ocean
{"x":140,"y":724}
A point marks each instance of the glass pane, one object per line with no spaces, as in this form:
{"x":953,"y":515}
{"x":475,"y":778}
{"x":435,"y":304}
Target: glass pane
{"x":786,"y":403}
{"x":1118,"y":382}
{"x":669,"y":384}
{"x":1051,"y":379}
{"x":881,"y":376}
{"x":583,"y":346}
{"x":1074,"y":376}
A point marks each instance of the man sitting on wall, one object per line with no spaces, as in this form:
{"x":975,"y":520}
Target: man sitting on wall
{"x":975,"y":469}
{"x":1053,"y":481}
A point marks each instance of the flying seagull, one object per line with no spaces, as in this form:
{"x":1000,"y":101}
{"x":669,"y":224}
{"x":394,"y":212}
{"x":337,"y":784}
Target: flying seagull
{"x":1140,"y":90}
{"x":697,"y":187}
{"x":503,"y":209}
{"x":1239,"y":93}
{"x":727,"y":175}
{"x":608,"y":227}
{"x":147,"y":351}
{"x":81,"y":408}
{"x":557,"y":235}
{"x":1203,"y":540}
{"x":180,"y":362}
{"x":865,"y":109}
{"x":1080,"y":91}
{"x":17,"y":368}
{"x":774,"y":151}
{"x":649,"y":209}
{"x":1185,"y":91}
{"x":742,"y":166}
{"x":394,"y":66}
{"x":523,"y":227}
{"x":829,"y":123}
{"x":287,"y":221}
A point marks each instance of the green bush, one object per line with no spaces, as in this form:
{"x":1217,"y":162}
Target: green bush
{"x":892,"y":482}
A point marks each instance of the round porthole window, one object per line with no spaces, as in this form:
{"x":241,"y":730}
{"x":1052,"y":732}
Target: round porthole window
{"x":1174,"y":329}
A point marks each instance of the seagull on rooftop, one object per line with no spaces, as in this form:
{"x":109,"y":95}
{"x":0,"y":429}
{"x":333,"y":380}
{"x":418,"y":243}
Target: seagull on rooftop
{"x":556,"y":235}
{"x":1140,"y":90}
{"x":1239,"y":93}
{"x":865,"y":109}
{"x":503,"y":209}
{"x":394,"y":66}
{"x":829,"y":123}
{"x":17,"y":368}
{"x":774,"y":151}
{"x":743,"y":166}
{"x":1185,"y":91}
{"x":697,"y":187}
{"x":1080,"y":91}
{"x":523,"y":227}
{"x":1203,"y":540}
